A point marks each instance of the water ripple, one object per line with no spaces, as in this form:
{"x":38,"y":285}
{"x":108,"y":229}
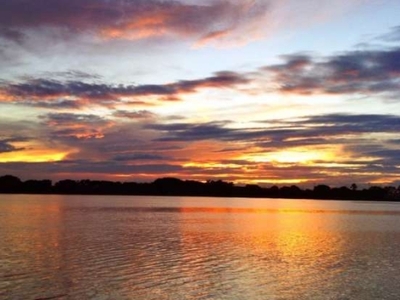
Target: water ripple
{"x":90,"y":251}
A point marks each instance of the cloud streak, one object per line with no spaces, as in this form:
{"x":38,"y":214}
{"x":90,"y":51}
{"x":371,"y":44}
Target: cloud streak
{"x":281,"y":131}
{"x":6,"y":145}
{"x":133,"y":19}
{"x":353,"y":72}
{"x":70,"y":94}
{"x":76,"y":126}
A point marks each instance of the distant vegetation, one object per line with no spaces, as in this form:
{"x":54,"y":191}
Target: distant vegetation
{"x":177,"y":187}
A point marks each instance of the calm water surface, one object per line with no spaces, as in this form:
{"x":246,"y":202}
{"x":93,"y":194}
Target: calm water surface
{"x":108,"y":247}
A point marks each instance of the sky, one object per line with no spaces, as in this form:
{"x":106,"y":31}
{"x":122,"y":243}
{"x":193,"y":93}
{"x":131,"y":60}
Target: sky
{"x":273,"y":92}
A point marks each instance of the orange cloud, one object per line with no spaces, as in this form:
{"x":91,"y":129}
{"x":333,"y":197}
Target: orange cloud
{"x":135,"y":19}
{"x":144,"y":26}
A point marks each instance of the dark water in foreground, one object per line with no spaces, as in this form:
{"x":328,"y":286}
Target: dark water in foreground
{"x":102,"y":247}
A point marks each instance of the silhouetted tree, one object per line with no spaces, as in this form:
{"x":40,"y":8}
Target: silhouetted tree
{"x":290,"y":192}
{"x":173,"y":186}
{"x":219,"y":188}
{"x":66,"y":186}
{"x":37,"y":186}
{"x":10,"y":184}
{"x":251,"y":190}
{"x":322,"y":191}
{"x":273,"y":191}
{"x":376,"y":193}
{"x":168,"y":186}
{"x":343,"y":193}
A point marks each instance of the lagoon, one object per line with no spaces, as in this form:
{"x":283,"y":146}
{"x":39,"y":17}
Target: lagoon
{"x":143,"y":247}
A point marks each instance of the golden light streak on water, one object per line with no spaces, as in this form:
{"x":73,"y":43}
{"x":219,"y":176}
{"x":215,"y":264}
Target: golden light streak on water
{"x":109,"y":247}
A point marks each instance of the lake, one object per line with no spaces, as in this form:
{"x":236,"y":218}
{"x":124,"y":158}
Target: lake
{"x":134,"y":247}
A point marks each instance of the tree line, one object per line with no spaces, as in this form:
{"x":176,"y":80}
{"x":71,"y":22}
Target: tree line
{"x":178,"y":187}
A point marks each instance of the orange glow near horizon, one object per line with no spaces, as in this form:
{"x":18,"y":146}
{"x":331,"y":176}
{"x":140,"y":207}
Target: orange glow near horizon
{"x":274,"y":181}
{"x":33,"y":156}
{"x":210,"y":165}
{"x":301,"y":155}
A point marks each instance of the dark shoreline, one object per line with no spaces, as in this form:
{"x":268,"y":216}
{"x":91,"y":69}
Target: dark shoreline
{"x":175,"y":187}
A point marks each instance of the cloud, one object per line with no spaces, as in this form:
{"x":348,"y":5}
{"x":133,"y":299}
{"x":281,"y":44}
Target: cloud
{"x":56,"y":119}
{"x":65,"y":126}
{"x":134,"y":115}
{"x":133,"y":19}
{"x":353,"y":72}
{"x":12,"y":34}
{"x":42,"y":89}
{"x":385,"y":156}
{"x":70,"y":94}
{"x":155,"y":149}
{"x":368,"y":72}
{"x":192,"y":132}
{"x":257,"y":173}
{"x":7,"y":146}
{"x":52,"y":104}
{"x":79,"y":168}
{"x":140,"y":157}
{"x":212,"y":22}
{"x":89,"y":136}
{"x":71,"y":75}
{"x":392,"y":36}
{"x":389,"y":155}
{"x":310,"y":130}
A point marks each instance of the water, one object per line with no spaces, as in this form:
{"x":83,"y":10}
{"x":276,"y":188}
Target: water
{"x":108,"y":247}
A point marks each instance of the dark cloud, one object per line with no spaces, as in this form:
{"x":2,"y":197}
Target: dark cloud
{"x":392,"y":154}
{"x":313,"y":130}
{"x":385,"y":155}
{"x":140,"y":157}
{"x":365,"y":72}
{"x":12,"y":34}
{"x":353,"y":72}
{"x":65,"y":126}
{"x":6,"y":146}
{"x":53,"y":89}
{"x":87,"y":168}
{"x":395,"y":141}
{"x":101,"y":138}
{"x":71,"y":75}
{"x":219,"y":80}
{"x":223,"y":79}
{"x":55,"y":119}
{"x":230,"y":150}
{"x":392,"y":36}
{"x":43,"y":91}
{"x":192,"y":132}
{"x":134,"y":115}
{"x":56,"y":104}
{"x":132,"y":19}
{"x":356,"y":123}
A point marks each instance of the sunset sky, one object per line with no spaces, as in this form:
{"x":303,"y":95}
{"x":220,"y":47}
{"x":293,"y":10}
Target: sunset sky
{"x":267,"y":92}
